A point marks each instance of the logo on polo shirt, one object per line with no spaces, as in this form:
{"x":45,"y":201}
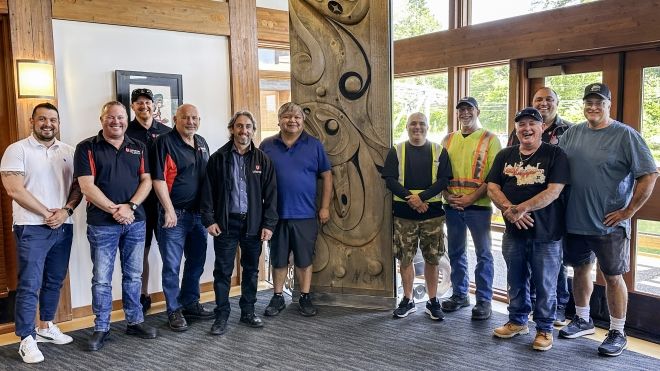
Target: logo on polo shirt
{"x":202,"y":149}
{"x":257,"y":169}
{"x":133,"y":151}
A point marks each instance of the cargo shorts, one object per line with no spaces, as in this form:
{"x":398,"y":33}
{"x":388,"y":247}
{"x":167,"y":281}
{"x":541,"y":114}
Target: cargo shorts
{"x":428,"y":234}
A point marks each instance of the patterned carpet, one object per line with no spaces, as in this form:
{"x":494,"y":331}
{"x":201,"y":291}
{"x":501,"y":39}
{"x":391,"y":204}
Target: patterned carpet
{"x":337,"y":339}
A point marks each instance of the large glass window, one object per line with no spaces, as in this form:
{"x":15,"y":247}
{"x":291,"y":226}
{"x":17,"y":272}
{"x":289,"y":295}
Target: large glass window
{"x":416,"y":17}
{"x":647,"y":270}
{"x":651,"y":110}
{"x":426,"y":94}
{"x":274,"y":87}
{"x":570,"y":89}
{"x":488,"y":10}
{"x":490,"y":86}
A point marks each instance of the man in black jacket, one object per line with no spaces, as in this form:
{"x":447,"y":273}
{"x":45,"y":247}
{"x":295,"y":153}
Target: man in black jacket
{"x":238,"y":207}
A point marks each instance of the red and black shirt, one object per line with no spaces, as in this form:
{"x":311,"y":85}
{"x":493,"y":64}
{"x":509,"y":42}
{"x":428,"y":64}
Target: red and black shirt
{"x":116,"y":172}
{"x":182,"y":167}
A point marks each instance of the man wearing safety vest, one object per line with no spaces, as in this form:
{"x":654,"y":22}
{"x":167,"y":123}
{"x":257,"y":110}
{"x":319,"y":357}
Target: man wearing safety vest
{"x":416,"y":171}
{"x":471,"y":152}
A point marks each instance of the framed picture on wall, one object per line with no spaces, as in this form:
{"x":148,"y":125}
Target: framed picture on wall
{"x":167,"y":89}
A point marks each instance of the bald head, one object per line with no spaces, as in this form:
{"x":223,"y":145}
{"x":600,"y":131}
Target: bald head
{"x":546,"y":101}
{"x":187,"y":120}
{"x":417,"y":127}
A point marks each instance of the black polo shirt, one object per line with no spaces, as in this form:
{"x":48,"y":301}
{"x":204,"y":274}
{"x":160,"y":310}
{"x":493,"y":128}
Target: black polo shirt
{"x":116,"y":172}
{"x":135,"y":130}
{"x":182,"y":167}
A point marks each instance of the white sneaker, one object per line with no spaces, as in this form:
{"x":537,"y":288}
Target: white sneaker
{"x":52,"y":335}
{"x":29,"y":351}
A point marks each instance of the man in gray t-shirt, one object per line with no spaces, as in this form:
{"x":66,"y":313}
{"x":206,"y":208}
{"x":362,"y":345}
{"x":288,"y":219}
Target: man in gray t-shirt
{"x":612,"y":176}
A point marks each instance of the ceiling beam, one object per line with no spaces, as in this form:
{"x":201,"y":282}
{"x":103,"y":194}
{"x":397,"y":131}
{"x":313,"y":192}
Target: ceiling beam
{"x":598,"y":25}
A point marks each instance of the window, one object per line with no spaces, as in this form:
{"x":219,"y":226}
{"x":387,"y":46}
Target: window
{"x":490,"y":86}
{"x":570,"y":89}
{"x":274,"y":87}
{"x":487,"y":10}
{"x":650,"y":127}
{"x":647,"y":261}
{"x":415,"y":17}
{"x":426,"y":94}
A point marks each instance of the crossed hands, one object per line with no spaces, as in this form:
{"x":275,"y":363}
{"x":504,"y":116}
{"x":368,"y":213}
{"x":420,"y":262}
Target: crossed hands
{"x":459,"y":202}
{"x":519,"y":216}
{"x":417,"y":204}
{"x":122,"y":213}
{"x":56,"y":218}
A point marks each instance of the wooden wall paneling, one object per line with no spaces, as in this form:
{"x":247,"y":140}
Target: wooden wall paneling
{"x":7,"y":251}
{"x":4,"y":7}
{"x":31,"y":37}
{"x":273,"y":25}
{"x":195,"y":16}
{"x":575,"y":29}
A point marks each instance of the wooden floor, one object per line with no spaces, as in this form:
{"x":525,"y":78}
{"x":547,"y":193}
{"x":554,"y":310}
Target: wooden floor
{"x":634,"y":344}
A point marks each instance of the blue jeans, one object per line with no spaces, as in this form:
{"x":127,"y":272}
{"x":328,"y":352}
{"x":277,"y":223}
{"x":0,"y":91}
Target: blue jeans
{"x":540,"y":260}
{"x":43,"y":260}
{"x":478,"y":222}
{"x":187,"y":238}
{"x":563,"y":295}
{"x":225,"y":254}
{"x":104,"y":241}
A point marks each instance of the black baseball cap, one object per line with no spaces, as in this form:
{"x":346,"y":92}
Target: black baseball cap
{"x":469,"y":101}
{"x":597,"y":89}
{"x":529,"y":112}
{"x":141,"y":92}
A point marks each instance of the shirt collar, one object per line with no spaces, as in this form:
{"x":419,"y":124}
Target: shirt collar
{"x":33,"y":141}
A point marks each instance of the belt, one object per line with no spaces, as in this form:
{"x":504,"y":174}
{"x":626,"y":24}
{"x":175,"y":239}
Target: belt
{"x":239,"y":216}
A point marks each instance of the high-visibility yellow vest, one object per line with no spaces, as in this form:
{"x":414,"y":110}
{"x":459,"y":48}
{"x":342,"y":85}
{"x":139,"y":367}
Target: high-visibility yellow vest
{"x":400,"y":149}
{"x":469,"y":176}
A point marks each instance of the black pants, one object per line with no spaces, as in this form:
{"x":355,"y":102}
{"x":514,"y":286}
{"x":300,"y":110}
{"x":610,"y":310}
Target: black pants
{"x":225,"y":246}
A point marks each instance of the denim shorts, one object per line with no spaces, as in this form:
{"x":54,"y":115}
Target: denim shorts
{"x":612,"y":251}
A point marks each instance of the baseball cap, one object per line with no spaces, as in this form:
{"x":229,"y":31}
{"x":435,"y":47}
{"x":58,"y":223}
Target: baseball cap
{"x":597,"y":89}
{"x":141,"y":92}
{"x":469,"y":101}
{"x":528,"y":112}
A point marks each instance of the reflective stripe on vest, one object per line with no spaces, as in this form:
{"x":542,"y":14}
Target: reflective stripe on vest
{"x":478,"y":163}
{"x":400,"y":149}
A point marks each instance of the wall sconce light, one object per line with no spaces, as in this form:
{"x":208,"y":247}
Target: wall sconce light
{"x":36,"y":79}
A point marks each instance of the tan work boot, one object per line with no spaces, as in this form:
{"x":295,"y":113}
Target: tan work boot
{"x":510,"y":330}
{"x":542,"y":341}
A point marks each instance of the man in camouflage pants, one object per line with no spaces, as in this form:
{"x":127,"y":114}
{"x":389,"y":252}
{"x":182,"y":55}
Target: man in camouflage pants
{"x":416,"y":171}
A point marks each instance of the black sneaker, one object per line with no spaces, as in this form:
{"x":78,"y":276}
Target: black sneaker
{"x":434,"y":309}
{"x":305,"y":306}
{"x":614,"y":344}
{"x":482,"y":310}
{"x":275,"y":306}
{"x":578,"y":327}
{"x":197,"y":311}
{"x":145,"y":300}
{"x":560,"y":316}
{"x":455,"y":302}
{"x":406,"y":306}
{"x":177,"y":321}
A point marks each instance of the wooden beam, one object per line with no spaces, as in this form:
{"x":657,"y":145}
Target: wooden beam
{"x":598,"y":25}
{"x":195,"y":16}
{"x":31,"y":37}
{"x":272,"y":26}
{"x":4,"y":7}
{"x":244,"y":57}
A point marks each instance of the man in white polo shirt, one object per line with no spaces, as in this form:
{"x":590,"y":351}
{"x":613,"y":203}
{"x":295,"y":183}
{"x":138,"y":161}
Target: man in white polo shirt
{"x":37,"y":173}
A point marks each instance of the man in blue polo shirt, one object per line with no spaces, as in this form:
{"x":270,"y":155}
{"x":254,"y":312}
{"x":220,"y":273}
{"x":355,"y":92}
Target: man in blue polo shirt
{"x":179,"y":168}
{"x":114,"y":177}
{"x":299,"y":160}
{"x":146,"y":129}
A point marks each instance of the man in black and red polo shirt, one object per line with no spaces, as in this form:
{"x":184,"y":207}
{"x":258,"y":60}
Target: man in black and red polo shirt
{"x":179,"y":168}
{"x":146,"y":129}
{"x":113,"y":174}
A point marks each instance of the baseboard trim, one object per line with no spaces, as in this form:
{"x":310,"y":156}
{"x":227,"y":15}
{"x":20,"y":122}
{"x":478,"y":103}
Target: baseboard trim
{"x":351,"y":300}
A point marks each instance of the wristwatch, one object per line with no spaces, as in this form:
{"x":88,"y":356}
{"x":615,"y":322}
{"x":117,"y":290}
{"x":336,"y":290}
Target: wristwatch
{"x":133,"y":205}
{"x":68,"y":210}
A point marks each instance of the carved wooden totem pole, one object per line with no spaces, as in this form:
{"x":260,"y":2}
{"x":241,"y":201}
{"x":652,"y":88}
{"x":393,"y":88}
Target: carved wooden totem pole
{"x":341,"y":76}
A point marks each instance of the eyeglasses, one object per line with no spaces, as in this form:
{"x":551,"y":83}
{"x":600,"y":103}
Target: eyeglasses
{"x":595,"y":103}
{"x":466,"y":109}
